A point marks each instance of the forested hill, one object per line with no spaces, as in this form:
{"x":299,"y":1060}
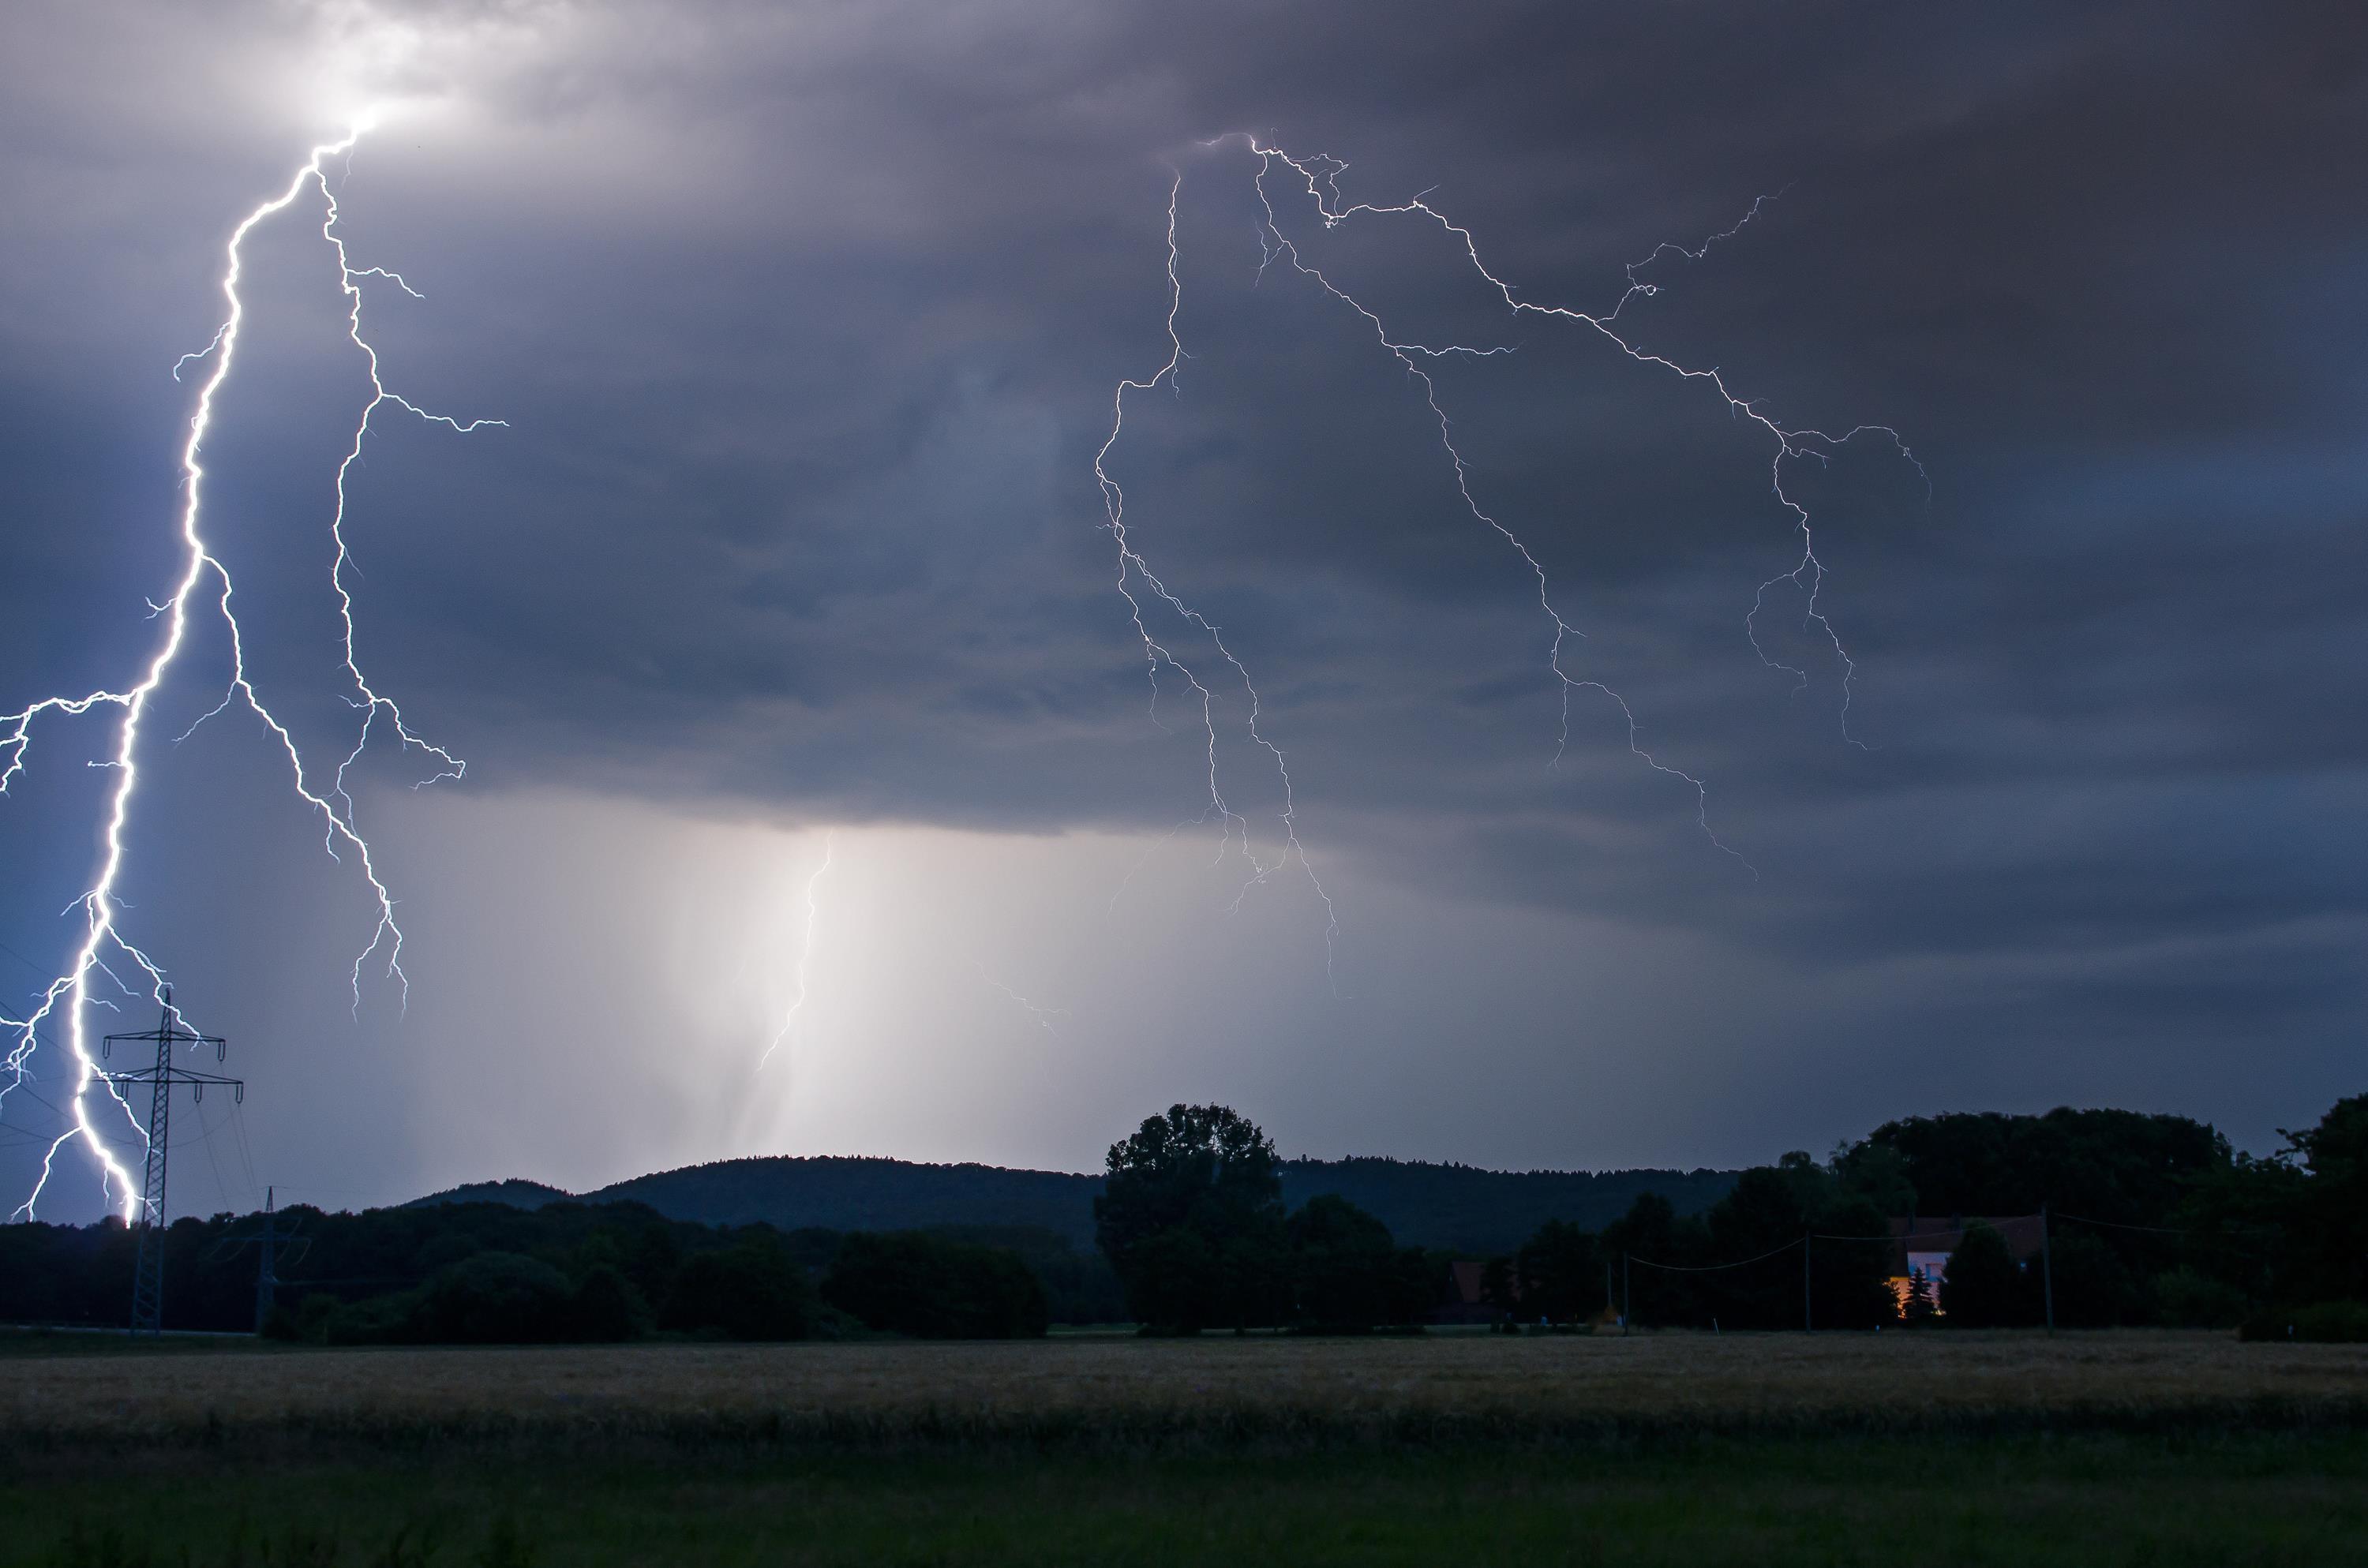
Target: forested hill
{"x":1481,"y":1214}
{"x":1453,"y":1207}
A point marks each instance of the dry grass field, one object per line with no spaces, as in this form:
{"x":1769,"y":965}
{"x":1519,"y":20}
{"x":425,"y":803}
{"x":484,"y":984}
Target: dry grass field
{"x":1659,"y":1451}
{"x":1099,"y":1389}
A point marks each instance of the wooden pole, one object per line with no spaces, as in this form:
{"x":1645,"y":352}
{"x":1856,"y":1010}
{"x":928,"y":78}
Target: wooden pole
{"x":2046,"y":1272}
{"x":1808,"y":1314}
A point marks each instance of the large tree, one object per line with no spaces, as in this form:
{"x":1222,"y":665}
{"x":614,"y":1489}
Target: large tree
{"x":1190,"y":1217}
{"x":1561,"y":1273}
{"x":1984,"y":1287}
{"x":1343,"y":1266}
{"x":2328,"y":1244}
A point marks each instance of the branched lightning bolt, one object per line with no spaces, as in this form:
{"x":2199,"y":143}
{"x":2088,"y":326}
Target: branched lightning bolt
{"x":69,"y":992}
{"x":1134,"y":568}
{"x":1318,"y":176}
{"x":1043,"y":1015}
{"x":805,"y":951}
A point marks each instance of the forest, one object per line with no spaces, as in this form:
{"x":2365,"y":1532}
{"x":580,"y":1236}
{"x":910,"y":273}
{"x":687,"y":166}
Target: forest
{"x":2150,"y":1220}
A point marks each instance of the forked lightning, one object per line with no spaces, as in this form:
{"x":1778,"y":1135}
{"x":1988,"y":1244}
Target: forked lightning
{"x":1314,"y":181}
{"x":204,"y":575}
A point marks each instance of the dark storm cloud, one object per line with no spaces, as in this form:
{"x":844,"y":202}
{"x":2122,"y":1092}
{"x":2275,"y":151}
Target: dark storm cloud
{"x":806,"y":324}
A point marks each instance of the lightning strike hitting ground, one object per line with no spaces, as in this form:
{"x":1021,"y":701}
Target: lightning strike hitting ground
{"x":1317,"y":178}
{"x":102,"y":938}
{"x":805,"y":951}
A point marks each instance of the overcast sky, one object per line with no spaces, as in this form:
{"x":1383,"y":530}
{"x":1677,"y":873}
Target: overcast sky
{"x":806,"y":322}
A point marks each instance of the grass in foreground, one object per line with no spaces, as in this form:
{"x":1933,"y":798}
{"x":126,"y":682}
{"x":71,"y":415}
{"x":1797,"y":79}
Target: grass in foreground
{"x":2012,"y":1503}
{"x":2005,"y":1449}
{"x":1094,"y":1394}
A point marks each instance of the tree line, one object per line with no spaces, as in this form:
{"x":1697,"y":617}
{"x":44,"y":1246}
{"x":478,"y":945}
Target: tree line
{"x":2151,"y":1220}
{"x":463,"y":1273}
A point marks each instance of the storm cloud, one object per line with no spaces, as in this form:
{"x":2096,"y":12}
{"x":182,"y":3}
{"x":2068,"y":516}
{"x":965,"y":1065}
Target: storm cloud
{"x":806,"y":323}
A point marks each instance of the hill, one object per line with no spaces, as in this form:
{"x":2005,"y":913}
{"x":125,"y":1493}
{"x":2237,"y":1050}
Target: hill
{"x":517,"y":1194}
{"x":1455,"y":1208}
{"x":1480,"y":1212}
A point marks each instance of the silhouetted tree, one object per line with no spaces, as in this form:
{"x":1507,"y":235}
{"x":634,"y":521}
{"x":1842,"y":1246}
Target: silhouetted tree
{"x":1983,"y":1287}
{"x":2328,"y":1240}
{"x":1190,"y":1217}
{"x":1347,"y":1273}
{"x":606,"y":1307}
{"x":494,"y":1298}
{"x":751,"y":1290}
{"x":1651,"y":1229}
{"x":1561,"y":1273}
{"x":1917,"y":1309}
{"x":1500,"y":1286}
{"x":1851,"y":1278}
{"x":910,"y":1282}
{"x":1876,"y":1173}
{"x":2125,"y":1167}
{"x":2094,"y":1288}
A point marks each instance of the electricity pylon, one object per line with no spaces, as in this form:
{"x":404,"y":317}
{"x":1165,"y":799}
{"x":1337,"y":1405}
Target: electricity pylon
{"x":148,"y":1272}
{"x":273,"y":1244}
{"x":267,"y":1277}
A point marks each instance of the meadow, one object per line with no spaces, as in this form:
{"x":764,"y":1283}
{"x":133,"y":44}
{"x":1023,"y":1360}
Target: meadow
{"x":2010,"y":1447}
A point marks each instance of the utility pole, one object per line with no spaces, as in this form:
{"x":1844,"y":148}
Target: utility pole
{"x":2046,"y":1272}
{"x":264,"y":1280}
{"x":148,"y":1272}
{"x":1808,"y":1317}
{"x":1627,"y":1300}
{"x":273,"y":1244}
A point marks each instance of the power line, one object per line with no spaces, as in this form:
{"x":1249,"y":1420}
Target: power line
{"x":1715,"y":1267}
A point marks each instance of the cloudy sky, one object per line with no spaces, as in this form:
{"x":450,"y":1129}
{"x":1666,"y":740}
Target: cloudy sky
{"x":805,"y":322}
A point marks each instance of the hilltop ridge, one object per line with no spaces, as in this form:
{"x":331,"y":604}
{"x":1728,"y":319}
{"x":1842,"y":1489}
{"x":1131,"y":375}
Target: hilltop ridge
{"x":1458,"y":1208}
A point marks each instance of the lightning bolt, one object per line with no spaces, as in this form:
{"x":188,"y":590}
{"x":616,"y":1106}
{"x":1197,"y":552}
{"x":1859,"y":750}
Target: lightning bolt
{"x":1318,"y":176}
{"x":1133,"y":569}
{"x":205,"y":577}
{"x":805,"y":951}
{"x":1315,"y":181}
{"x":1043,"y":1015}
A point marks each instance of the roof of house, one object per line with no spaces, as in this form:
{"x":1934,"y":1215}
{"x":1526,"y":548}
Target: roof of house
{"x":2024,"y":1234}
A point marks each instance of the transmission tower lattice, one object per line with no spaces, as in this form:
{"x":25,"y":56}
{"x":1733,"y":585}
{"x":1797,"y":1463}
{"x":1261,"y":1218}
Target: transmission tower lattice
{"x":148,"y":1272}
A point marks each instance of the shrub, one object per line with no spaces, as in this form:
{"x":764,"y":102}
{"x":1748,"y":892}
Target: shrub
{"x":1342,"y":1266}
{"x":910,"y":1282}
{"x":2093,"y":1288}
{"x":494,"y":1298}
{"x":751,"y":1290}
{"x":1983,"y":1287}
{"x":2322,"y":1322}
{"x":2185,"y":1299}
{"x":380,"y":1320}
{"x":605,"y":1308}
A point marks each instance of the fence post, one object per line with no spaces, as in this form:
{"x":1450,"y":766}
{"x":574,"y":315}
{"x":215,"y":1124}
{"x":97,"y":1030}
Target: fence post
{"x":1808,"y":1316}
{"x":2046,"y":1272}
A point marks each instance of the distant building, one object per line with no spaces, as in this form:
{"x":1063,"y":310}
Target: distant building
{"x":1923,"y":1243}
{"x":1466,"y":1294}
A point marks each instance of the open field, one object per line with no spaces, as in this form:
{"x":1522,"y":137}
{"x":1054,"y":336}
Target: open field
{"x":1095,"y":1391}
{"x":1938,"y":1448}
{"x":2094,"y":1502}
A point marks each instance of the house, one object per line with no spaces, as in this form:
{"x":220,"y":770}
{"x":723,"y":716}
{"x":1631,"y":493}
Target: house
{"x":1467,"y":1299}
{"x":1923,"y":1242}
